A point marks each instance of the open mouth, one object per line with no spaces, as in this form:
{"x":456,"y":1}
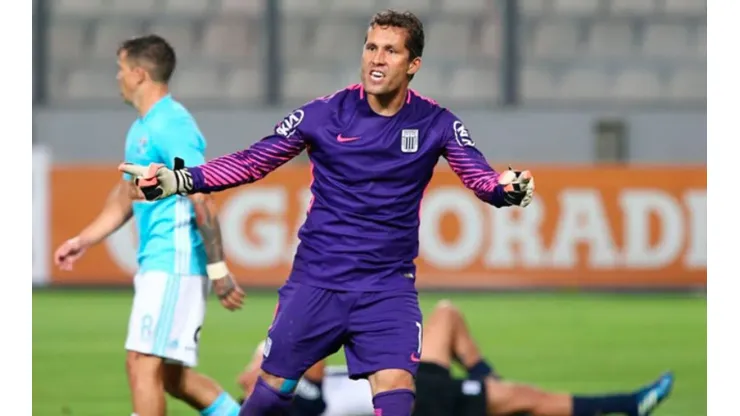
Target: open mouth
{"x":376,"y":75}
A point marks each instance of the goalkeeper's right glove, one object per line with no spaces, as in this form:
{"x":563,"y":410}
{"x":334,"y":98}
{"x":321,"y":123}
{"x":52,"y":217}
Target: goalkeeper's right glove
{"x":156,"y":181}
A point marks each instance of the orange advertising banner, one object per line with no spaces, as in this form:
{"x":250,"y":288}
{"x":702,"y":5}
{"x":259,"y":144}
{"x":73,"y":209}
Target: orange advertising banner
{"x":589,"y":227}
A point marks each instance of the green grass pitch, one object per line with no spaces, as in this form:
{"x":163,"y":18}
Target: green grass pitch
{"x":583,"y":343}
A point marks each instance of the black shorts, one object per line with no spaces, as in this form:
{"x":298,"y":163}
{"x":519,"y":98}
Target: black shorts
{"x":439,"y":394}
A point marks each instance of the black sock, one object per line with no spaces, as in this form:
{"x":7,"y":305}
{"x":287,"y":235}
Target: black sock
{"x":309,"y":399}
{"x":480,"y":370}
{"x":600,"y":405}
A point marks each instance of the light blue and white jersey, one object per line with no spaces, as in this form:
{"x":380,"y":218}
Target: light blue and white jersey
{"x":169,"y":240}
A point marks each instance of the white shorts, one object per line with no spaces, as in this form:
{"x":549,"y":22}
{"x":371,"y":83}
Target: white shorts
{"x":344,"y":396}
{"x":167,"y":316}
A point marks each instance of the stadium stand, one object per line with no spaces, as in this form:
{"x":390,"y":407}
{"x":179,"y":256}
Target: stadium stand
{"x":610,"y":51}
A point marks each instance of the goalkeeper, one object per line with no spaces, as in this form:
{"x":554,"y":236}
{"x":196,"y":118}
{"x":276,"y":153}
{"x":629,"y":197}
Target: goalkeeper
{"x":373,"y":147}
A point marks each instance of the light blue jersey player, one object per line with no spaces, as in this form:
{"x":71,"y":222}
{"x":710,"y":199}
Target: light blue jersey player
{"x":180,"y":251}
{"x":169,"y":240}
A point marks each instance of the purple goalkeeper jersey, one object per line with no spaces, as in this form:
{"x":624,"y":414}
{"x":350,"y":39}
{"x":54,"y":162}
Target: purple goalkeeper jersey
{"x":369,"y":175}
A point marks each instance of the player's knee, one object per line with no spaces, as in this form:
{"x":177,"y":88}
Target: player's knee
{"x":140,"y":365}
{"x":392,"y":379}
{"x":130,"y":364}
{"x":145,"y":371}
{"x":173,"y":381}
{"x":282,"y":385}
{"x":507,"y":398}
{"x":446,"y":309}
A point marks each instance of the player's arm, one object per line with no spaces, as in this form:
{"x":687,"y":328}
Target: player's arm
{"x":242,"y":167}
{"x":116,"y":211}
{"x":182,"y":141}
{"x":498,"y":189}
{"x":225,"y":287}
{"x":246,"y":166}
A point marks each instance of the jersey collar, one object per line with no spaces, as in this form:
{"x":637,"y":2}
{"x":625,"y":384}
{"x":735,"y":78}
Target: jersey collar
{"x":369,"y":111}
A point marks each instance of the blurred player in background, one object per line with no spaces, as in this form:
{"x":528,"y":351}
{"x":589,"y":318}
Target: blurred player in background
{"x":179,"y":244}
{"x":329,"y":392}
{"x":373,"y":149}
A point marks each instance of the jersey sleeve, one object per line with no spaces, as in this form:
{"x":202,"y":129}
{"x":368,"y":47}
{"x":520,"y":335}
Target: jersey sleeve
{"x":470,"y":165}
{"x":254,"y":163}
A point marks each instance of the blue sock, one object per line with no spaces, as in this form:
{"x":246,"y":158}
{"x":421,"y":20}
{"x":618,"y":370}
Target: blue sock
{"x":600,"y":405}
{"x":224,"y":405}
{"x":394,"y":403}
{"x":266,"y":401}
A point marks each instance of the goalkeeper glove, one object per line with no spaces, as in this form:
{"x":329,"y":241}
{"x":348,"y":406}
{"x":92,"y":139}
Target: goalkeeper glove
{"x":518,"y":187}
{"x":156,"y":181}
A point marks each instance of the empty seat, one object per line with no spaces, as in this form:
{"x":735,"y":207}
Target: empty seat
{"x":242,"y":8}
{"x":227,"y":39}
{"x":96,"y":83}
{"x":537,"y":84}
{"x":415,"y":6}
{"x":666,"y":40}
{"x":632,"y":7}
{"x":610,"y":39}
{"x":186,"y":7}
{"x":244,"y":83}
{"x":700,"y":42}
{"x":576,"y":7}
{"x":296,"y":41}
{"x":363,"y":9}
{"x":430,"y":82}
{"x":465,"y":7}
{"x":474,"y":84}
{"x":534,"y":8}
{"x":637,"y":85}
{"x":491,"y":40}
{"x":110,"y":34}
{"x":553,"y":39}
{"x":302,"y":7}
{"x":302,"y":84}
{"x":66,"y":40}
{"x":180,"y":34}
{"x":686,"y":7}
{"x":339,"y":40}
{"x":56,"y":82}
{"x":133,"y":7}
{"x":196,"y":83}
{"x":688,"y":84}
{"x":446,"y":40}
{"x":584,"y":84}
{"x":77,"y":7}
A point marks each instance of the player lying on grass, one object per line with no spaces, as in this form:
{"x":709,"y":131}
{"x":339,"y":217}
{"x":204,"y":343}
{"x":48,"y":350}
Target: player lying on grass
{"x":481,"y":393}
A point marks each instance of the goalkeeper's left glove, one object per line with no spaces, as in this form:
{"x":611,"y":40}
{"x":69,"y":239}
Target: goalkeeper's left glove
{"x":518,"y":187}
{"x":156,"y":181}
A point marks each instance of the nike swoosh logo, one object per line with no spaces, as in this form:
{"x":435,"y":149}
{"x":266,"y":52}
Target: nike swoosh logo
{"x":342,"y":139}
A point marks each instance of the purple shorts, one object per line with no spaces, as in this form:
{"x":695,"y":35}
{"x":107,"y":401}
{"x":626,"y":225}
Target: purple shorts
{"x":379,"y":330}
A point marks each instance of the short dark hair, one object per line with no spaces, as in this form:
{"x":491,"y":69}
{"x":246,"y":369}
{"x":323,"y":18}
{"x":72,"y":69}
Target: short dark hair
{"x":405,"y":20}
{"x":154,"y":50}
